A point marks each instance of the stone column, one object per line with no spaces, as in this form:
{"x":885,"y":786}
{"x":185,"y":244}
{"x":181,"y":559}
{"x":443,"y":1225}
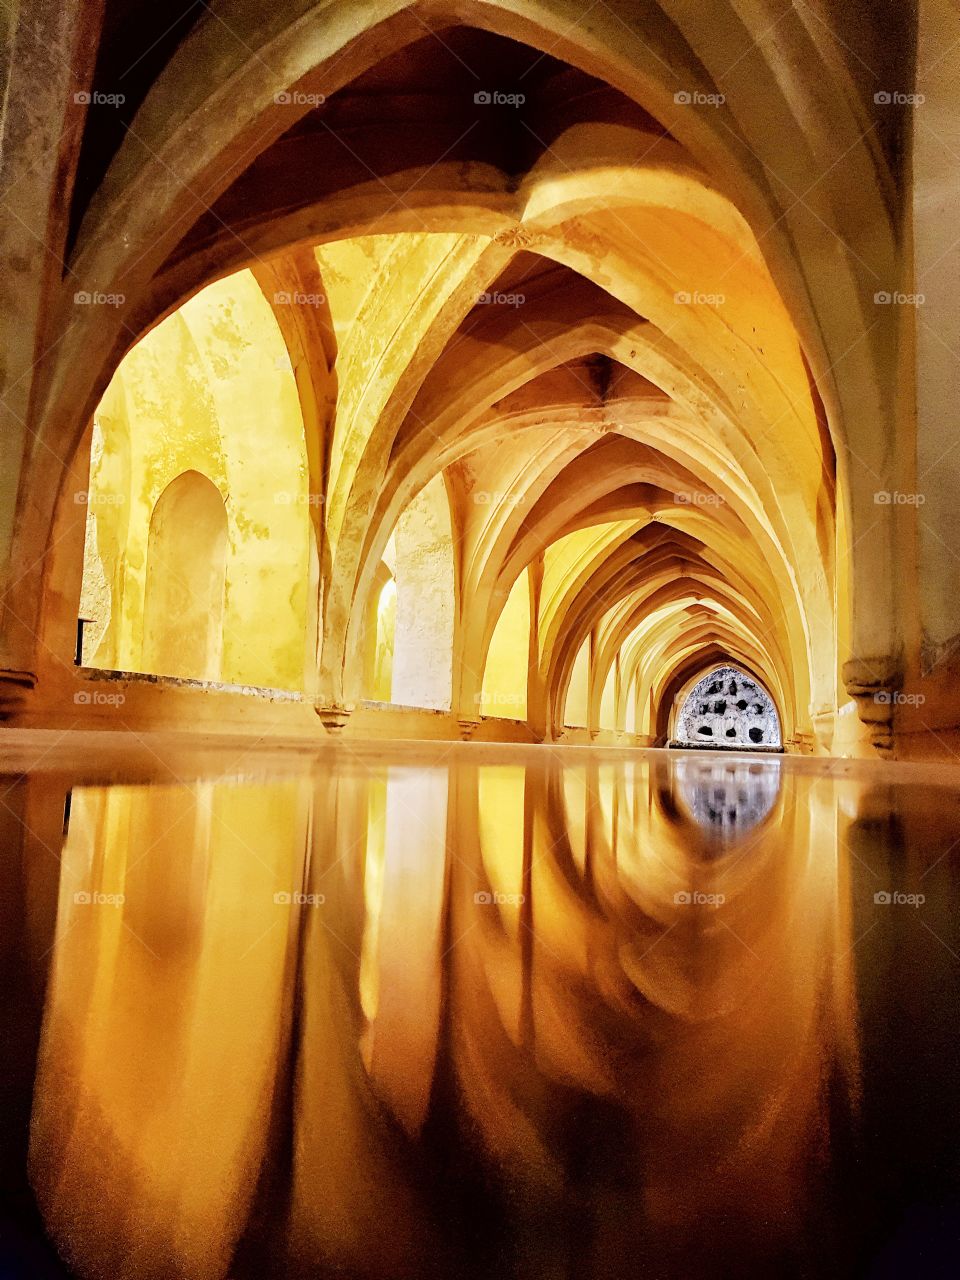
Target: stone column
{"x":936,"y":197}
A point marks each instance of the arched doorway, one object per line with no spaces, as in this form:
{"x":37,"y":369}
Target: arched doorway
{"x":409,"y":618}
{"x":379,"y":636}
{"x":186,"y":569}
{"x":727,"y":708}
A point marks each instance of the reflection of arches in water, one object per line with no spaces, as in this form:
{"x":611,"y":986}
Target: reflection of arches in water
{"x":727,"y":797}
{"x":728,"y":708}
{"x":186,"y":568}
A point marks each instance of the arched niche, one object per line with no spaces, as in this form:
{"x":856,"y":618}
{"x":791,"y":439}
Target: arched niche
{"x":727,"y":708}
{"x":188,"y":398}
{"x":185,"y":578}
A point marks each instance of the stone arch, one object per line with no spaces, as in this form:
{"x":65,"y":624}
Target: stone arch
{"x":694,"y":457}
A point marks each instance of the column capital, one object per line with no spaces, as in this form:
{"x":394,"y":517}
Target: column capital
{"x":873,"y":684}
{"x":14,"y":687}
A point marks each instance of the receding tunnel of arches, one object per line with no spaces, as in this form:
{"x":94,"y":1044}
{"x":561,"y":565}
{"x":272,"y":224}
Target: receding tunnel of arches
{"x":453,"y":455}
{"x":522,"y":460}
{"x":469,"y":508}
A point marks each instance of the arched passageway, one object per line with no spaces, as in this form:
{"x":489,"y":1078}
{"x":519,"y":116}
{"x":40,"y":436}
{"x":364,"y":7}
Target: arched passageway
{"x":591,"y":306}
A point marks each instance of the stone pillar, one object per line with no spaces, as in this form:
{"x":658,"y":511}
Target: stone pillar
{"x":51,"y":51}
{"x":936,"y":196}
{"x":537,"y":709}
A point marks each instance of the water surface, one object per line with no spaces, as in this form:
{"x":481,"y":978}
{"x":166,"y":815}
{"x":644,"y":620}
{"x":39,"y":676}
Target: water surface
{"x":479,"y":1013}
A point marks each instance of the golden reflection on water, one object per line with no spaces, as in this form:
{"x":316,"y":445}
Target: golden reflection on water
{"x":452,"y":1020}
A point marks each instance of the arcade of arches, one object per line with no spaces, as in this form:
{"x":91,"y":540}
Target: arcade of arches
{"x":495,"y":369}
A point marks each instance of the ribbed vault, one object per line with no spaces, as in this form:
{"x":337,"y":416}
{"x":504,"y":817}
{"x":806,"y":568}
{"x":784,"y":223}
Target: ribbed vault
{"x":614,"y":309}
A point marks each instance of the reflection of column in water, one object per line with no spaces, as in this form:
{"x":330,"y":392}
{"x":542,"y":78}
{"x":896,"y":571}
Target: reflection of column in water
{"x":31,"y":818}
{"x":400,"y":1045}
{"x":350,"y":1204}
{"x":161,"y":1037}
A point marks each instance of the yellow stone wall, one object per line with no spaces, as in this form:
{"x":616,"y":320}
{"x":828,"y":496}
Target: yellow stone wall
{"x":210,"y":389}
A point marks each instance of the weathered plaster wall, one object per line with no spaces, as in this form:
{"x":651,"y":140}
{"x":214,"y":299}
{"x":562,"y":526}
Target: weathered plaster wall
{"x":208,"y":390}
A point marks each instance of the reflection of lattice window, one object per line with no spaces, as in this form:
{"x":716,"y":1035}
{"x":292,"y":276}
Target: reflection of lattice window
{"x":728,"y":708}
{"x":728,"y":797}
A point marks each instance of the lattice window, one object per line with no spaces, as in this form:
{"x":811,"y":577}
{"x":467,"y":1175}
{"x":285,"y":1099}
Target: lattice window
{"x":728,"y":708}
